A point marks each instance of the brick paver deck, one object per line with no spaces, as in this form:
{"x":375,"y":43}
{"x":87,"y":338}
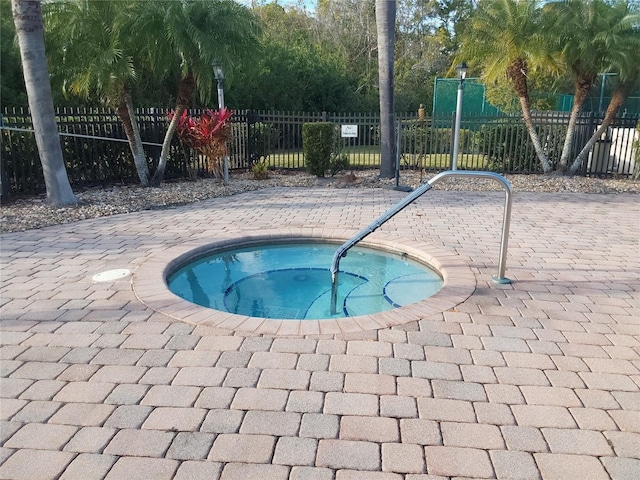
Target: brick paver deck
{"x":537,"y":379}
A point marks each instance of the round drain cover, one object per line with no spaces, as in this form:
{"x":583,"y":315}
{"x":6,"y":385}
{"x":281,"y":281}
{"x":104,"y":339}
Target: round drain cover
{"x":112,"y":275}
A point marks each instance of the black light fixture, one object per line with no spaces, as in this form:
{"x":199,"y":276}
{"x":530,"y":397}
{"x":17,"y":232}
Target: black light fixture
{"x":218,"y":72}
{"x":462,"y":70}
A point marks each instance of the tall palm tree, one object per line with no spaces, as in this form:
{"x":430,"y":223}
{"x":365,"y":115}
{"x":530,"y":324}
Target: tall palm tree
{"x":194,"y":34}
{"x":93,"y":51}
{"x":385,"y":26}
{"x":27,"y":17}
{"x":505,"y":38}
{"x":592,"y":33}
{"x":620,"y":94}
{"x":625,"y":62}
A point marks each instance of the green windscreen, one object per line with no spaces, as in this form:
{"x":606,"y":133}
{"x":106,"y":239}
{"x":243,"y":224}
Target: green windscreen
{"x":445,"y":97}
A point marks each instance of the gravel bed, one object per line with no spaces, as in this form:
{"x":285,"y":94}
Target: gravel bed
{"x":29,"y":213}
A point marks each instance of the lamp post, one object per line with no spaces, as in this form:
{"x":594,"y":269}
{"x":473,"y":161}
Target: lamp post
{"x":218,"y":73}
{"x":462,"y":73}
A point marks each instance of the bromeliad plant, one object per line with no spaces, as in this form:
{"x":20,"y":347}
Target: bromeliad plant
{"x":207,"y":136}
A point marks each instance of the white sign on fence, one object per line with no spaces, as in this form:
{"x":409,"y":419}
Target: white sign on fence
{"x":350,"y":131}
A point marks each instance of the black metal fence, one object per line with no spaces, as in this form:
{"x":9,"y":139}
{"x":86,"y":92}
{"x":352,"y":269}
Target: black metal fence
{"x":96,"y":152}
{"x":502,"y":143}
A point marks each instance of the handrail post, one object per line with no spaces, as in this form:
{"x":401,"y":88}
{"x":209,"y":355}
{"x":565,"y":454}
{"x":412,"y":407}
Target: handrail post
{"x":334,"y":292}
{"x":417,"y":193}
{"x":504,"y":240}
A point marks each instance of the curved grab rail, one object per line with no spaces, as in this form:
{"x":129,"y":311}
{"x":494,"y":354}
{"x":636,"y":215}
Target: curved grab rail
{"x":417,"y":193}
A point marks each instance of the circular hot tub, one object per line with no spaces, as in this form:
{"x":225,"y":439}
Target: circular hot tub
{"x":279,"y":283}
{"x":293,"y":281}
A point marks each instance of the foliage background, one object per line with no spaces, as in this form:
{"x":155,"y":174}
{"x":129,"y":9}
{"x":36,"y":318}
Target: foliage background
{"x":318,"y":60}
{"x":322,"y":60}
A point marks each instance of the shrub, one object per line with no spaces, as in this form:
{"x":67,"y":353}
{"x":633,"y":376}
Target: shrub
{"x":259,"y":170}
{"x":425,"y":140}
{"x":507,"y":146}
{"x":207,"y":135}
{"x":264,"y":138}
{"x":338,"y":163}
{"x":317,"y":143}
{"x":19,"y":154}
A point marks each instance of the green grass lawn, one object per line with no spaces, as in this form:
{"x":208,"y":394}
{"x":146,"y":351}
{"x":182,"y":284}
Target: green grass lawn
{"x":369,"y":157}
{"x":442,"y":161}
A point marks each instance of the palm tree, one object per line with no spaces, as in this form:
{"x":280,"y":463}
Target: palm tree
{"x":592,"y":33}
{"x":505,"y":38}
{"x":620,"y":94}
{"x":92,"y":50}
{"x":195,"y":33}
{"x":385,"y":26}
{"x":27,"y":17}
{"x":625,"y":61}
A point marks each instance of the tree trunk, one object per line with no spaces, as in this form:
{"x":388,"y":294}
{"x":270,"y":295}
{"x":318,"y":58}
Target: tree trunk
{"x":126,"y":115}
{"x":27,"y":17}
{"x":582,"y":87}
{"x":185,"y":91}
{"x":535,"y":138}
{"x":516,"y":72}
{"x":620,"y":94}
{"x":158,"y":175}
{"x":385,"y":24}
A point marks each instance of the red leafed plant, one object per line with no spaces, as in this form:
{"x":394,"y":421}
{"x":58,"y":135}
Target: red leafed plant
{"x":207,"y":135}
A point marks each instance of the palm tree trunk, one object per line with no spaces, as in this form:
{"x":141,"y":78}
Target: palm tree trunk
{"x":535,"y":138}
{"x":385,"y":24}
{"x":185,"y":91}
{"x":126,"y":115}
{"x":158,"y":175}
{"x":582,"y":87}
{"x":27,"y":17}
{"x":620,"y":94}
{"x":516,"y":72}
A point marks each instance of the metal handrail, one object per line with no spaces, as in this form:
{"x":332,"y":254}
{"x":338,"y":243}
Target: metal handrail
{"x":418,"y":192}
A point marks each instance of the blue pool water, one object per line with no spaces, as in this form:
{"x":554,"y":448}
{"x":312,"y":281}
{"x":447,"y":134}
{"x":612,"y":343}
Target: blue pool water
{"x":293,"y":281}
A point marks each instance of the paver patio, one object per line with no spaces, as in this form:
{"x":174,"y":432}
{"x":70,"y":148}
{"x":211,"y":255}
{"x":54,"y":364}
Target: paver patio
{"x":537,"y":379}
